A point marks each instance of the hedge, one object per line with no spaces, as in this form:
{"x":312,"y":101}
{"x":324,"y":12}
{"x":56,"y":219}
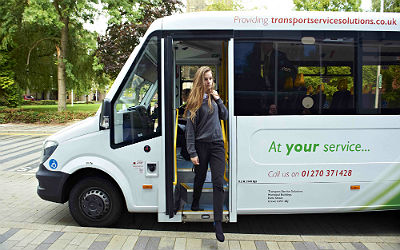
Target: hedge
{"x":19,"y":115}
{"x":42,"y":102}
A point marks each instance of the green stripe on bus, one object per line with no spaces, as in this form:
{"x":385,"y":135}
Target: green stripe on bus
{"x":371,"y":202}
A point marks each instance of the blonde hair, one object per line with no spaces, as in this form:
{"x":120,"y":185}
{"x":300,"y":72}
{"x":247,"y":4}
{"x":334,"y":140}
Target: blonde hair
{"x":197,"y":93}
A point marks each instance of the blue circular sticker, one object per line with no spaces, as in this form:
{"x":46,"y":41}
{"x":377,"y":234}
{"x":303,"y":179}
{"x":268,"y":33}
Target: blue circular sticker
{"x":53,"y":164}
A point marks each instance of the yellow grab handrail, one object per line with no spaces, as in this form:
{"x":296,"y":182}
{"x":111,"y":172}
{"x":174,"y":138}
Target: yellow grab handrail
{"x":176,"y":136}
{"x":226,"y":148}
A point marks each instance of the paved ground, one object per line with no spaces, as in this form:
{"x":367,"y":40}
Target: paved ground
{"x":27,"y":222}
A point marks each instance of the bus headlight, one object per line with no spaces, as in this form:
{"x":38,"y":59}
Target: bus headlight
{"x":48,"y":149}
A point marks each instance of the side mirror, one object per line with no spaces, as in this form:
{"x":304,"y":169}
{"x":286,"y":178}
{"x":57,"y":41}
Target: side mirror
{"x":105,"y":114}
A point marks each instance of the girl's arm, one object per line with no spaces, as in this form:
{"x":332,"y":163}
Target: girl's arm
{"x":190,"y":136}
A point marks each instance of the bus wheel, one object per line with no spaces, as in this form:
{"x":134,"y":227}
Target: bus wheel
{"x":95,"y":202}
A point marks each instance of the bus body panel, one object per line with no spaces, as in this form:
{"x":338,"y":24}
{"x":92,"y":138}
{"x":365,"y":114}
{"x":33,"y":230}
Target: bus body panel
{"x":126,"y":165}
{"x":314,"y":197}
{"x":300,"y":20}
{"x":310,"y":163}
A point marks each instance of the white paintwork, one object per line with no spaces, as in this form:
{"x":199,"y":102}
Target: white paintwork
{"x":264,"y":20}
{"x":84,"y":145}
{"x":232,"y":138}
{"x":79,"y":149}
{"x":268,"y":164}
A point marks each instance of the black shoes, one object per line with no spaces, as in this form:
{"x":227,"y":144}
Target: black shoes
{"x":218,"y":231}
{"x":196,"y":206}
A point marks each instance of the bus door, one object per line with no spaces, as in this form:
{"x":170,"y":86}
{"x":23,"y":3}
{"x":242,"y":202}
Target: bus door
{"x":135,"y":132}
{"x":186,"y":57}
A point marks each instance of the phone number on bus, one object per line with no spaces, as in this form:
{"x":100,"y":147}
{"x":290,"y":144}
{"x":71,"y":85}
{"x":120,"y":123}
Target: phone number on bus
{"x":320,"y":173}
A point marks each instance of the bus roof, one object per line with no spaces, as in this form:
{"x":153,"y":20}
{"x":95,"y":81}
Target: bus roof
{"x":295,"y":20}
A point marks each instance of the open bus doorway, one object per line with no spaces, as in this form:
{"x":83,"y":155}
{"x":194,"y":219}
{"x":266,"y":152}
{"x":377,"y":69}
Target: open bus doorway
{"x":190,"y":55}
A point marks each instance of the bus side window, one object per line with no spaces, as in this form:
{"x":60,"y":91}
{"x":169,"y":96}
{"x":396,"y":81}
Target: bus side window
{"x":299,"y":78}
{"x":380,"y":73}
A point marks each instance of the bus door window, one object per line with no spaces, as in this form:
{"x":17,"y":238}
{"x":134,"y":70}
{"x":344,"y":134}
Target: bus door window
{"x":137,"y":108}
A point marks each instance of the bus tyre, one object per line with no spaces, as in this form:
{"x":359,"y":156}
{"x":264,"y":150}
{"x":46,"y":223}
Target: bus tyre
{"x":95,"y":202}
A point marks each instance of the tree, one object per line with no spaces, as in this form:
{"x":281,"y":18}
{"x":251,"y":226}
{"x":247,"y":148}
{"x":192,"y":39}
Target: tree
{"x":327,"y":5}
{"x":389,"y":5}
{"x":126,"y":27}
{"x":219,"y":5}
{"x":10,"y":20}
{"x":65,"y":16}
{"x":35,"y":67}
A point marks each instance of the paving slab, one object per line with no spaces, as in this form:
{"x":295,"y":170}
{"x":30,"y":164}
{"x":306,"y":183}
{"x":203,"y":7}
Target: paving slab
{"x":27,"y":222}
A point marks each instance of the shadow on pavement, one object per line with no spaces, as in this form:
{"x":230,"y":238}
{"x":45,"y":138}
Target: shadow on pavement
{"x":385,"y":223}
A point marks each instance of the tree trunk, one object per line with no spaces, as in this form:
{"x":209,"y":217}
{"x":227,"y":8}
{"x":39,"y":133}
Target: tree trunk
{"x":61,"y":75}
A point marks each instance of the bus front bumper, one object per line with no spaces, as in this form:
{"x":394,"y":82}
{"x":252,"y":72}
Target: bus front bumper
{"x":51,"y":184}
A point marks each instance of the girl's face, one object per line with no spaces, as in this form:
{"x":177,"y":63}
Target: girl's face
{"x":208,"y":82}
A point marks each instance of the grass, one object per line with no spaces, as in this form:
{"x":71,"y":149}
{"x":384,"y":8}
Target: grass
{"x":77,"y":107}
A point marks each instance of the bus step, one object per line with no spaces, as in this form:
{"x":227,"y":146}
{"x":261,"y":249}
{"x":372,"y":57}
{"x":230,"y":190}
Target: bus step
{"x":207,"y":187}
{"x":184,"y":166}
{"x":186,"y":192}
{"x":202,"y":216}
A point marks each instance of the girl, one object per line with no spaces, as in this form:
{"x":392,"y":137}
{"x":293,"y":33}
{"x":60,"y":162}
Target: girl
{"x":204,"y":141}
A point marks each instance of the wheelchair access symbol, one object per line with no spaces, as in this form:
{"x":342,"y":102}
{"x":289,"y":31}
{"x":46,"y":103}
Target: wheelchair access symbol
{"x":53,"y":164}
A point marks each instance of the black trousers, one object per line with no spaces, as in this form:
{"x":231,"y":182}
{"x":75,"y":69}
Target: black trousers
{"x":213,"y":153}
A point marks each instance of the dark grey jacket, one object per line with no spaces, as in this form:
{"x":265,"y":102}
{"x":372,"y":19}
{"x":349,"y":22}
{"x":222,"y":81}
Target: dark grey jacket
{"x":207,"y":127}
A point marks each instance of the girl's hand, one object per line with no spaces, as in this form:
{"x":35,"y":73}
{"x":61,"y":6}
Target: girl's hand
{"x":195,"y":160}
{"x":215,"y":95}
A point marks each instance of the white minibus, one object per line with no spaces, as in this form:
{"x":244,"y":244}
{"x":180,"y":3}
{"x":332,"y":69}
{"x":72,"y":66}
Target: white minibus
{"x":313,"y":127}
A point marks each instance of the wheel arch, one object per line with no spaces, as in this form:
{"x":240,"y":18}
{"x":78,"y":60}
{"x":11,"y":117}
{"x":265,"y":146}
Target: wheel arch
{"x":88,"y":172}
{"x":99,"y":168}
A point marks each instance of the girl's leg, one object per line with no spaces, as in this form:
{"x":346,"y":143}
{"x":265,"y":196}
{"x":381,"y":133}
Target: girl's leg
{"x":217,"y":164}
{"x":200,"y":173}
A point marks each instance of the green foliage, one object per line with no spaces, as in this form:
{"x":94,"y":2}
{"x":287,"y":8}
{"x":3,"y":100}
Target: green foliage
{"x":9,"y":91}
{"x":42,"y":21}
{"x":391,"y":85}
{"x":327,"y":5}
{"x":11,"y":96}
{"x":10,"y":19}
{"x":71,"y":47}
{"x":126,"y":26}
{"x":218,"y":5}
{"x":389,"y":5}
{"x":42,"y":12}
{"x":47,"y":102}
{"x":83,"y":69}
{"x":124,"y":10}
{"x":31,"y":116}
{"x":331,"y":83}
{"x":41,"y":102}
{"x":41,"y":72}
{"x":6,"y":72}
